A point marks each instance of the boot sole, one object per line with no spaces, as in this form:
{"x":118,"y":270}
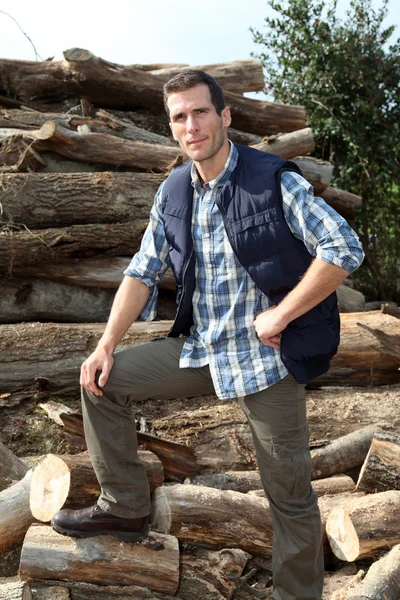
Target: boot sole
{"x":123,"y":536}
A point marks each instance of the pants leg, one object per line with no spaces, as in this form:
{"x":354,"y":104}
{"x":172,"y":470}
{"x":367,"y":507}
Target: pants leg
{"x":277,"y":418}
{"x":146,"y":371}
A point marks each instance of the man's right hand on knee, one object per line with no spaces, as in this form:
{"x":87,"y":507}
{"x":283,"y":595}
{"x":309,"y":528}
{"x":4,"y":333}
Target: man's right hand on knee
{"x":99,"y":360}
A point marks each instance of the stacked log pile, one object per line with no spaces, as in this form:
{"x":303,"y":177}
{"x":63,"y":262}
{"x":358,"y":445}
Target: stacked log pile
{"x":84,"y":145}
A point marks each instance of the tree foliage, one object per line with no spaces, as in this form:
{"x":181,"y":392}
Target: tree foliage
{"x":347,"y":75}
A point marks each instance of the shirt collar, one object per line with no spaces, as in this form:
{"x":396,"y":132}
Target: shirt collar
{"x":230,"y":165}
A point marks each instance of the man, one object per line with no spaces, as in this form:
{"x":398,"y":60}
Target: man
{"x":256,"y":259}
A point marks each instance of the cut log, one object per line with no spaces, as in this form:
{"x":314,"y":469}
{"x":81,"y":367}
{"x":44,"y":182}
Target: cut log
{"x":103,"y":560}
{"x":359,"y":360}
{"x":105,"y":84}
{"x":381,"y":469}
{"x":30,"y":299}
{"x":221,"y":518}
{"x":12,"y":468}
{"x":289,"y":145}
{"x":103,"y":122}
{"x":77,"y":590}
{"x":70,"y":482}
{"x":345,"y":203}
{"x":389,"y":344}
{"x":56,"y":351}
{"x":104,"y":272}
{"x":51,"y":592}
{"x":343,"y":454}
{"x":52,"y":200}
{"x":65,"y":244}
{"x":17,"y":590}
{"x":237,"y":481}
{"x":178,"y":460}
{"x":382,"y":579}
{"x":239,"y":76}
{"x":317,"y":172}
{"x":364,"y":526}
{"x":15,"y":514}
{"x":350,"y":300}
{"x":242,"y":137}
{"x":210,"y":575}
{"x":338,"y":484}
{"x":101,"y":148}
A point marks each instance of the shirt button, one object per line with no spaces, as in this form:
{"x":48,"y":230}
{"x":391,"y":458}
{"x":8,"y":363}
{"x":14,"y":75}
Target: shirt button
{"x":210,"y":296}
{"x":212,"y":350}
{"x":206,"y":235}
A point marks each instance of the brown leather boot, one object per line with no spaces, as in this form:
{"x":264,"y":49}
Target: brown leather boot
{"x":94,"y":520}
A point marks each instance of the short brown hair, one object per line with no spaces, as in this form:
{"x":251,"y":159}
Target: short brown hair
{"x":189,"y":79}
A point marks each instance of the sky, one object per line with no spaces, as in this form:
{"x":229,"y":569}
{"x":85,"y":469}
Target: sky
{"x":196,"y":32}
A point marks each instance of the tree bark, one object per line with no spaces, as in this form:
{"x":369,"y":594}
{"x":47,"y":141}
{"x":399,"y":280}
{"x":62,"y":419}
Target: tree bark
{"x":239,"y":76}
{"x":382,"y":579}
{"x":51,"y":592}
{"x":343,"y":454}
{"x":65,"y":244}
{"x":70,"y":482}
{"x":105,"y":84}
{"x":345,"y":203}
{"x":381,"y":469}
{"x":15,"y":514}
{"x":289,"y":145}
{"x":56,"y":351}
{"x":77,"y":590}
{"x":12,"y":468}
{"x":364,"y":526}
{"x":41,"y":200}
{"x":389,"y":344}
{"x":317,"y":172}
{"x":220,"y":518}
{"x":178,"y":461}
{"x":18,"y":590}
{"x":104,"y":560}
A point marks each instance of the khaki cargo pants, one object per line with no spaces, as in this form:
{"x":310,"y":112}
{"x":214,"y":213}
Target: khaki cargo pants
{"x":277,"y":417}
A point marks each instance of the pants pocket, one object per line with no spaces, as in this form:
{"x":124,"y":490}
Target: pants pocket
{"x":291,"y":466}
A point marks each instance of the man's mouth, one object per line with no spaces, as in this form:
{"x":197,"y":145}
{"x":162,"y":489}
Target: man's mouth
{"x":195,"y":142}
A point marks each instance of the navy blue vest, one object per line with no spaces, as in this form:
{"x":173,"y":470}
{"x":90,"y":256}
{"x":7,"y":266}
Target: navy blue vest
{"x":251,"y":207}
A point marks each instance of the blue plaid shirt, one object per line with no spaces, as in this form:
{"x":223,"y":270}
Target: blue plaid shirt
{"x":226,"y":300}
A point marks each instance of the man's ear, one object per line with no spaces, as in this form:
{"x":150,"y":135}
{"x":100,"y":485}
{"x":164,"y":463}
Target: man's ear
{"x":226,"y":116}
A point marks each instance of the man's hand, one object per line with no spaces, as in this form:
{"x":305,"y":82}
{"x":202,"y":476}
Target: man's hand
{"x":269,"y":325}
{"x":100,"y":360}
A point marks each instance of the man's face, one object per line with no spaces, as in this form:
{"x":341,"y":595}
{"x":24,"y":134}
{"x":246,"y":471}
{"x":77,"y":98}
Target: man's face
{"x":195,"y":124}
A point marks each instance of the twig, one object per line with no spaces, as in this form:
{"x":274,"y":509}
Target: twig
{"x":25,"y":34}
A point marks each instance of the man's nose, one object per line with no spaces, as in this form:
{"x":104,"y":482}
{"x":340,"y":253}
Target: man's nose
{"x":192,"y":124}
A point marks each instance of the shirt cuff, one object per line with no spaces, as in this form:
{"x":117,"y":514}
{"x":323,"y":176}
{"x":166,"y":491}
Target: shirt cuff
{"x":149,"y":311}
{"x":350,"y":261}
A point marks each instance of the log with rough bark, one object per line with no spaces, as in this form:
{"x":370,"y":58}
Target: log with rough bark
{"x":66,"y":243}
{"x":12,"y":468}
{"x":50,"y":592}
{"x":210,"y":574}
{"x":16,"y":590}
{"x":15,"y":514}
{"x":104,"y":560}
{"x":77,"y":590}
{"x":289,"y":145}
{"x":219,"y":518}
{"x":100,"y":148}
{"x":237,"y":481}
{"x":345,"y":203}
{"x":81,"y":74}
{"x":350,"y":300}
{"x":382,"y":580}
{"x":56,"y":351}
{"x":317,"y":172}
{"x":30,"y":299}
{"x":360,"y":360}
{"x":381,"y":469}
{"x":40,"y":200}
{"x":239,"y":76}
{"x":69,"y":481}
{"x":364,"y":526}
{"x":178,"y":460}
{"x":389,"y":343}
{"x":337,"y":484}
{"x":102,"y":122}
{"x":343,"y":454}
